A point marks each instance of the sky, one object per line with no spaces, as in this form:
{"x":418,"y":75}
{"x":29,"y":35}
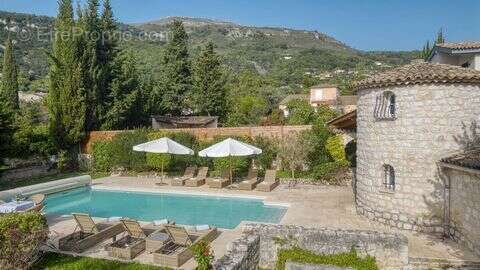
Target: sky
{"x":362,"y":24}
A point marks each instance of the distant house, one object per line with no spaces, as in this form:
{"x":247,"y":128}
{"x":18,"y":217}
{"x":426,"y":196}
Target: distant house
{"x":170,"y":122}
{"x":464,"y":54}
{"x":322,"y":95}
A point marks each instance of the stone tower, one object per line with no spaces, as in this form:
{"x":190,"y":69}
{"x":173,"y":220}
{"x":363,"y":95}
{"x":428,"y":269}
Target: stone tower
{"x":406,"y":122}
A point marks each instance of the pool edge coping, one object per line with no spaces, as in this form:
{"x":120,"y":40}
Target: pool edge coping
{"x":194,"y":193}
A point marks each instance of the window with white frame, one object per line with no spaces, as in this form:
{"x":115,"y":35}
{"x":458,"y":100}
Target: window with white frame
{"x":389,"y":177}
{"x":385,"y":106}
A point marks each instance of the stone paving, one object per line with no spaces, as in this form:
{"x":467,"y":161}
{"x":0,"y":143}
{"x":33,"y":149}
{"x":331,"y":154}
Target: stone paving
{"x":310,"y":206}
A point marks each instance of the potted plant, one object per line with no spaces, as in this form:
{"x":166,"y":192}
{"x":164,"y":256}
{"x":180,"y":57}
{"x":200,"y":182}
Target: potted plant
{"x":203,"y":255}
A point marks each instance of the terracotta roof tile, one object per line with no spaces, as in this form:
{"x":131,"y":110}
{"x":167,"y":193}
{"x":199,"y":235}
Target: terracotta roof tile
{"x":421,"y":73}
{"x":461,"y":45}
{"x":469,"y":160}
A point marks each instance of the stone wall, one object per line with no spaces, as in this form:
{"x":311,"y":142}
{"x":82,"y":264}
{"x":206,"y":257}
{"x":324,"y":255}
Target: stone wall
{"x":390,"y":250}
{"x":428,"y":116}
{"x":465,"y":208}
{"x":204,"y":133}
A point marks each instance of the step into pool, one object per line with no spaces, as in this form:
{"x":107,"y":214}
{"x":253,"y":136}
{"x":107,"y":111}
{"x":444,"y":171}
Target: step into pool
{"x":222,"y":212}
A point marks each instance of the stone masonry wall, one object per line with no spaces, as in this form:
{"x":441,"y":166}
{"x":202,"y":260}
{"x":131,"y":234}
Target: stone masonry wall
{"x":465,"y":208}
{"x":390,"y":250}
{"x":428,"y":116}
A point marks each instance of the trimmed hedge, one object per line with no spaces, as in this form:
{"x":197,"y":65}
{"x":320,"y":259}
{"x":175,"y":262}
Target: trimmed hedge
{"x":350,"y":259}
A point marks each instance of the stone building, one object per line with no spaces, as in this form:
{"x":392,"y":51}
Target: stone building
{"x":464,"y":54}
{"x":406,"y":122}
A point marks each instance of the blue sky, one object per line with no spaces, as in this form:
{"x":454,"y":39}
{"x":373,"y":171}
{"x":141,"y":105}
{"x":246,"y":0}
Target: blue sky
{"x":362,"y":24}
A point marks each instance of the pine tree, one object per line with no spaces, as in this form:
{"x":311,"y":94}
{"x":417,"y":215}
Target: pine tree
{"x":176,"y":81}
{"x":209,"y":92}
{"x":9,"y":86}
{"x":127,"y":106}
{"x":66,"y":96}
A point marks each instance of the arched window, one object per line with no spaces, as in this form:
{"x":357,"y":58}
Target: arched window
{"x":389,"y":177}
{"x":385,"y":106}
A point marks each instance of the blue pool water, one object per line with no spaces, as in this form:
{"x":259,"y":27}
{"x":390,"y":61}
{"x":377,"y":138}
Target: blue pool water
{"x":221,"y":212}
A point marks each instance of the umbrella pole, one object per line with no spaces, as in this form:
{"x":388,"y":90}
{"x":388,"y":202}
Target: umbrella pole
{"x":161,"y":178}
{"x":231,"y":173}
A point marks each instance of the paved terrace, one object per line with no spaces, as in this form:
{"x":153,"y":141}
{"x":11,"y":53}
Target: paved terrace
{"x":310,"y":206}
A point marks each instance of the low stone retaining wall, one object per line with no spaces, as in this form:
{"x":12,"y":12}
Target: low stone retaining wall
{"x":261,"y":243}
{"x":307,"y":266}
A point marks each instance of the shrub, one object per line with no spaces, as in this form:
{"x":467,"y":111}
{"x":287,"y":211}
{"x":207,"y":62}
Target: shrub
{"x":119,"y":152}
{"x":158,"y":161}
{"x":317,"y":138}
{"x":178,"y":162}
{"x":102,"y":152}
{"x":123,"y":154}
{"x":300,"y":112}
{"x":239,"y":165}
{"x":269,"y":152}
{"x":21,"y":235}
{"x":325,"y":171}
{"x":203,"y":255}
{"x":334,"y":146}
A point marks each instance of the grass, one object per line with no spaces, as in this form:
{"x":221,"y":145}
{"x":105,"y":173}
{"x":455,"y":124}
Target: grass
{"x":350,"y":259}
{"x":54,"y":261}
{"x":4,"y":185}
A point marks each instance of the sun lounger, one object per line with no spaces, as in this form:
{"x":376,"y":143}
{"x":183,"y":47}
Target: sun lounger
{"x":176,"y":251}
{"x":219,"y":182}
{"x":199,"y":180}
{"x":251,"y":182}
{"x":89,"y":234}
{"x":37,"y":198}
{"x":135,"y":242}
{"x":189,"y":173}
{"x":270,"y":181}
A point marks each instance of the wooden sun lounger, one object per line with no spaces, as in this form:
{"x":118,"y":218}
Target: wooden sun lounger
{"x":220,"y":182}
{"x":89,"y":234}
{"x":270,"y":181}
{"x":189,"y":173}
{"x":199,"y":180}
{"x":37,"y":198}
{"x":251,"y":182}
{"x":177,"y":251}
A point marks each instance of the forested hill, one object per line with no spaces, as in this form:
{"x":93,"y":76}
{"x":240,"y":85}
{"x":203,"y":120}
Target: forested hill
{"x":284,"y":54}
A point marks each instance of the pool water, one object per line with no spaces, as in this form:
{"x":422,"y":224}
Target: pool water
{"x":222,"y":212}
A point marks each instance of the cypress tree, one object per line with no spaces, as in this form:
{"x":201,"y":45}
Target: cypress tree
{"x":9,"y":86}
{"x":91,"y":68}
{"x":440,"y":37}
{"x":176,"y":81}
{"x":127,"y":106}
{"x":209,"y":93}
{"x":6,"y":130}
{"x":66,"y":96}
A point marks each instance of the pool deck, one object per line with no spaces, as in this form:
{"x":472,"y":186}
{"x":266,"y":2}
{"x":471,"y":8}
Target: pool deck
{"x":309,"y":206}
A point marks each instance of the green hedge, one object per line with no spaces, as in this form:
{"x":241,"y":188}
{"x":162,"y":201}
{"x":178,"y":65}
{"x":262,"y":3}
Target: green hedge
{"x":350,"y":259}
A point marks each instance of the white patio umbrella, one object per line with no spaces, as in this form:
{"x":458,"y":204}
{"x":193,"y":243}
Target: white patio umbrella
{"x":163,"y":146}
{"x":230,"y":148}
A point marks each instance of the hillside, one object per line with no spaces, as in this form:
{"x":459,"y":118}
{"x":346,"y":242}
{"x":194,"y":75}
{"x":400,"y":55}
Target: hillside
{"x":284,"y":54}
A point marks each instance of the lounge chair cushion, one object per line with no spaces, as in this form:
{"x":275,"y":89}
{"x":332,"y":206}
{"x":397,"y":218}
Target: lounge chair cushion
{"x":160,"y":222}
{"x":202,"y":227}
{"x":114,"y":219}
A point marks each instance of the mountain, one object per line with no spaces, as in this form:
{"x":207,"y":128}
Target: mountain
{"x":284,"y":54}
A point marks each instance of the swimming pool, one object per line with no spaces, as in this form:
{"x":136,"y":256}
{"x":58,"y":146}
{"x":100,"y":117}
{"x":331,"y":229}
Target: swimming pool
{"x":222,"y":212}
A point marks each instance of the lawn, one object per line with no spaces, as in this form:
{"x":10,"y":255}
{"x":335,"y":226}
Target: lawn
{"x":5,"y":185}
{"x":53,"y":261}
